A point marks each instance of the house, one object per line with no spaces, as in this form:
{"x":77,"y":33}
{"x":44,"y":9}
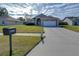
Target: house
{"x":47,"y":21}
{"x":8,"y":20}
{"x":71,"y":20}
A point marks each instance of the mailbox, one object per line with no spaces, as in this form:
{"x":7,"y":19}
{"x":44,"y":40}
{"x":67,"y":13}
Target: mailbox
{"x":8,"y":31}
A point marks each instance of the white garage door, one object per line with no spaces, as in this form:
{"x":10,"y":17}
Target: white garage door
{"x":49,"y":23}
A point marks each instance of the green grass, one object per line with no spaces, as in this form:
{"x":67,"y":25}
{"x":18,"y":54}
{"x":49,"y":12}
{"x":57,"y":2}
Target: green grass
{"x":24,"y":28}
{"x":21,"y":44}
{"x":73,"y":28}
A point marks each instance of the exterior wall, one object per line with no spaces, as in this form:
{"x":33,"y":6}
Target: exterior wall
{"x":42,"y":20}
{"x":10,"y":22}
{"x":77,"y":22}
{"x":57,"y":21}
{"x":68,"y":21}
{"x":0,"y":22}
{"x":50,"y":23}
{"x":45,"y":19}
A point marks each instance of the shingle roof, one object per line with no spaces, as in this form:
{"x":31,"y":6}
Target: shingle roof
{"x":46,"y":17}
{"x":71,"y":18}
{"x":8,"y":18}
{"x":41,"y":16}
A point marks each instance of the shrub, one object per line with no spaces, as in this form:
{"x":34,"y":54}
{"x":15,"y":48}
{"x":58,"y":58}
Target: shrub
{"x":25,"y":23}
{"x":63,"y":23}
{"x":21,"y":19}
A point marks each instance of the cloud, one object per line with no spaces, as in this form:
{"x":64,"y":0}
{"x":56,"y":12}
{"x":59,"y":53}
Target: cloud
{"x":60,"y":10}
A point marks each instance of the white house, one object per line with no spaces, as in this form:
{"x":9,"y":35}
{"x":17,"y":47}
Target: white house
{"x":71,"y":20}
{"x":8,"y":20}
{"x":47,"y":21}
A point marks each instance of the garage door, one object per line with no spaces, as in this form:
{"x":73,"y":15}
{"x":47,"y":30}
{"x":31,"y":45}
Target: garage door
{"x":49,"y":23}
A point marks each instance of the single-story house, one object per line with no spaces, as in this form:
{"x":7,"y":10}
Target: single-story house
{"x":47,"y":21}
{"x":8,"y":20}
{"x":71,"y":20}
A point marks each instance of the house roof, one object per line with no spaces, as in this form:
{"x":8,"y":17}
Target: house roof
{"x":46,"y":17}
{"x":41,"y":16}
{"x":71,"y":18}
{"x":8,"y":18}
{"x":51,"y":17}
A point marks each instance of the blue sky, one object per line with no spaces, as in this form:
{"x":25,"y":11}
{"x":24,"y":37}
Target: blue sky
{"x":60,"y":10}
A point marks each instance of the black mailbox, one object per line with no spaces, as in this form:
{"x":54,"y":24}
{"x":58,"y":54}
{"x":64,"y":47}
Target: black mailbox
{"x":8,"y":31}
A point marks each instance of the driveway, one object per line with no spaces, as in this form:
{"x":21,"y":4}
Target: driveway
{"x":58,"y":42}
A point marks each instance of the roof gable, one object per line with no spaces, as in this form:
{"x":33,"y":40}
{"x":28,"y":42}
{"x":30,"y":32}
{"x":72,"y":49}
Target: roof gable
{"x":47,"y":17}
{"x":71,"y":18}
{"x":41,"y":16}
{"x":7,"y":18}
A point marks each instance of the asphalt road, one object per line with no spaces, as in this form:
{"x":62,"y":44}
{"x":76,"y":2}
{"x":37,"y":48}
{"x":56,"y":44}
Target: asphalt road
{"x":58,"y":42}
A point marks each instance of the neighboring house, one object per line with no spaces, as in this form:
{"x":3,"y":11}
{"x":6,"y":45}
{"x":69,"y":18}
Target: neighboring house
{"x":71,"y":20}
{"x":47,"y":21}
{"x":8,"y":20}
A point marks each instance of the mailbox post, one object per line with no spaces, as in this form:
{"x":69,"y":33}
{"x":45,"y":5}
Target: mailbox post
{"x":9,"y":31}
{"x":10,"y":40}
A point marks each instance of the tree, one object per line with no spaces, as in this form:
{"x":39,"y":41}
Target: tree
{"x":3,"y":11}
{"x":42,"y":8}
{"x":21,"y":19}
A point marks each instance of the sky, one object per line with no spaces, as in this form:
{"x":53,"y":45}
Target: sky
{"x":59,"y":10}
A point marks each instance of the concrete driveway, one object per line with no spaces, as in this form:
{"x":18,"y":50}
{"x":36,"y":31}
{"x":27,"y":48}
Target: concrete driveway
{"x":58,"y":42}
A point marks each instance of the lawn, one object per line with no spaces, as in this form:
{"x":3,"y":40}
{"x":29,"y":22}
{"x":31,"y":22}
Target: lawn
{"x":24,"y":28}
{"x":21,"y":44}
{"x":73,"y":28}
